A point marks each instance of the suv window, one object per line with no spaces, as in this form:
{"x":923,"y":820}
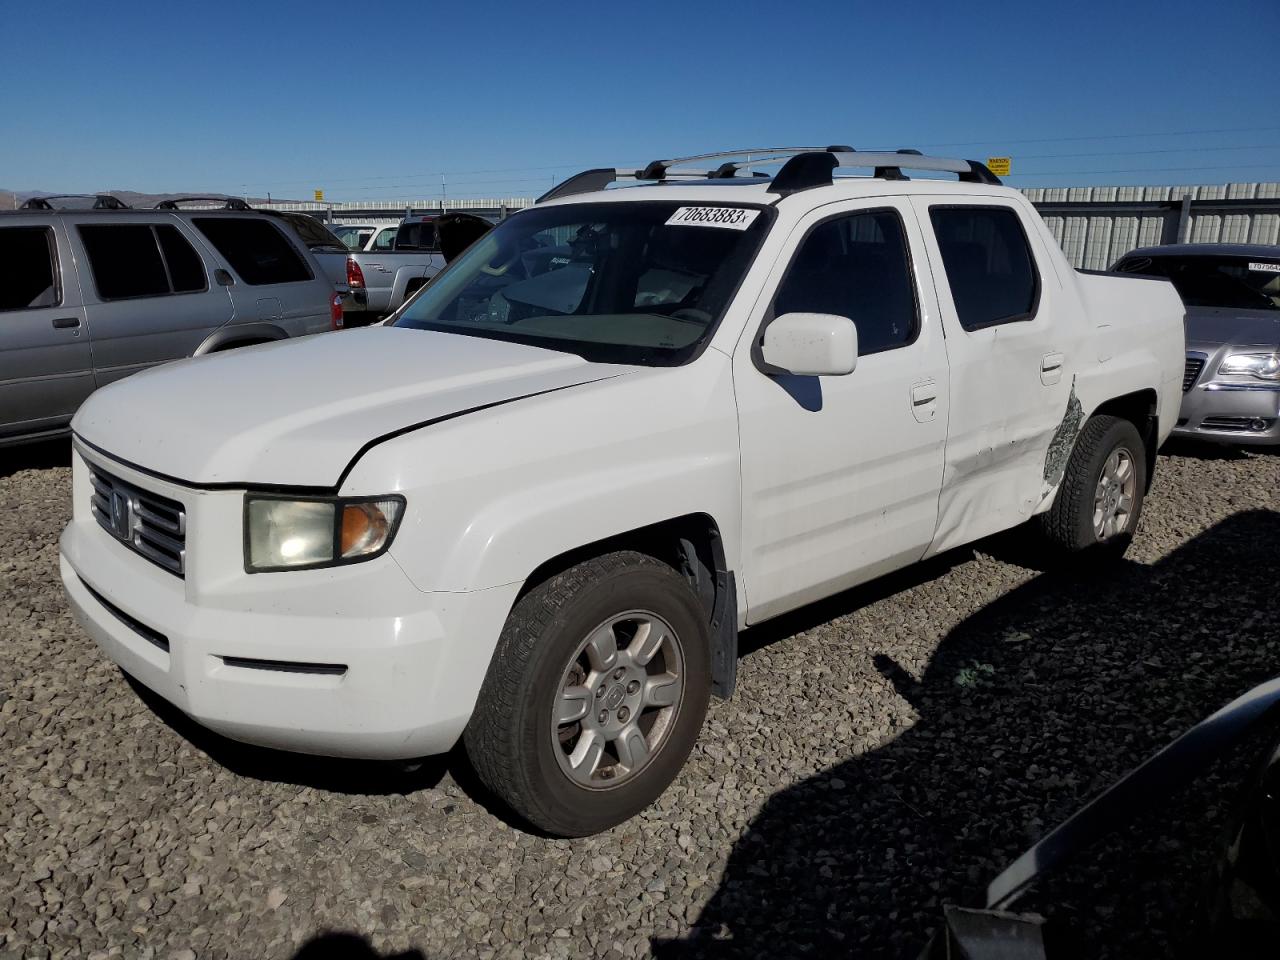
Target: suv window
{"x":856,"y":266}
{"x":257,"y":251}
{"x":988,"y":262}
{"x":28,"y":277}
{"x":186,"y":272}
{"x":126,"y":262}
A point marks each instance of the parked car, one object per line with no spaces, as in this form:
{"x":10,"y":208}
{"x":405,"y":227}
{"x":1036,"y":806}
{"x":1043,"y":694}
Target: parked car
{"x":367,"y":236}
{"x":382,"y":279}
{"x":533,"y":510}
{"x":1231,"y":389}
{"x":89,"y":296}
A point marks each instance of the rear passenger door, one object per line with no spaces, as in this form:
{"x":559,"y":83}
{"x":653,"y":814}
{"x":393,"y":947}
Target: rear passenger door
{"x":840,"y":474}
{"x":149,"y":293}
{"x":46,"y":369}
{"x":273,"y":281}
{"x":1011,"y":362}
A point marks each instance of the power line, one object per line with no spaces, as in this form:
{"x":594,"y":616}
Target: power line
{"x":1136,"y":153}
{"x":1090,"y":173}
{"x":1109,"y":136}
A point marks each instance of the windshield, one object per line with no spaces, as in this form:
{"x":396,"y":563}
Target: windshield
{"x":642,"y":282}
{"x":1236,"y":283}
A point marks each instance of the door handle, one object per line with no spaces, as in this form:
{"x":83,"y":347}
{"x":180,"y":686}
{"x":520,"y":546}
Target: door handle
{"x":924,"y":400}
{"x":923,"y":393}
{"x":66,"y":323}
{"x":1051,"y":368}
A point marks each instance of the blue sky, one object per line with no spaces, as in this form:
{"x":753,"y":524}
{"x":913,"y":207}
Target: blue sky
{"x":377,"y":99}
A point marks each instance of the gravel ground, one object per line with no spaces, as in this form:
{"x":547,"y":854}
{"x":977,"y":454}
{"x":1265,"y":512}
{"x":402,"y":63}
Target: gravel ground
{"x":886,"y":752}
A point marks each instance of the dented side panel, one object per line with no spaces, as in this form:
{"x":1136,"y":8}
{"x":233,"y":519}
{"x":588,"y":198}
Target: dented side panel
{"x":1007,"y":410}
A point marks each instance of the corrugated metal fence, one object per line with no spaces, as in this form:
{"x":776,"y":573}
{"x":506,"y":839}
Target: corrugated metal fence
{"x":1096,"y":225}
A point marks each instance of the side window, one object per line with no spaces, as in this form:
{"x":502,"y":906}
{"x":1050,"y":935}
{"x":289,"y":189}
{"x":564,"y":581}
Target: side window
{"x":28,"y":276}
{"x":125,"y":260}
{"x":186,"y":271}
{"x":416,"y":236}
{"x":988,"y":262}
{"x":386,"y":239}
{"x":856,"y":266}
{"x":257,"y":251}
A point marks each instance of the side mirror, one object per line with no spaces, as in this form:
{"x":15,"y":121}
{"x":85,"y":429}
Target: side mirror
{"x":811,"y":344}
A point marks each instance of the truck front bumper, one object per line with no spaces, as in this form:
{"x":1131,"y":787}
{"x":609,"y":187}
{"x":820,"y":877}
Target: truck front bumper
{"x":355,"y":662}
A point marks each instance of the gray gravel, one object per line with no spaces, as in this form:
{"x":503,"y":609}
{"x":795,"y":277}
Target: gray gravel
{"x":886,"y":752}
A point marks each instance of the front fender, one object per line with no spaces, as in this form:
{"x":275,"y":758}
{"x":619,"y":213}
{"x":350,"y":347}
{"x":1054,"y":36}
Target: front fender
{"x":233,"y":333}
{"x":493,"y":495}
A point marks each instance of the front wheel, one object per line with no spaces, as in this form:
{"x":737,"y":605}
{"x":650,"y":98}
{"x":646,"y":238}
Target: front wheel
{"x":595,"y":695}
{"x":1099,"y":502}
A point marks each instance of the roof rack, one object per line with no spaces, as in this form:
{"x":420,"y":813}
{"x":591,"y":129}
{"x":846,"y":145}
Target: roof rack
{"x":228,"y":203}
{"x":101,"y":201}
{"x":805,"y":167}
{"x":815,"y":169}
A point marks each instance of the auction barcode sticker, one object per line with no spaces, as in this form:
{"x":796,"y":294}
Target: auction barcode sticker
{"x":730,"y":218}
{"x":1265,"y":267}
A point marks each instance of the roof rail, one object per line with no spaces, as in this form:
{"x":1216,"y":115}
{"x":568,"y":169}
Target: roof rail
{"x":589,"y":181}
{"x":101,"y":201}
{"x":805,"y":167}
{"x":815,"y":169}
{"x":228,"y":203}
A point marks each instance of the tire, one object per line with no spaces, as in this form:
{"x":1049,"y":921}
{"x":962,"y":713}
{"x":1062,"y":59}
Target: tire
{"x":1070,"y":527}
{"x":552,"y":647}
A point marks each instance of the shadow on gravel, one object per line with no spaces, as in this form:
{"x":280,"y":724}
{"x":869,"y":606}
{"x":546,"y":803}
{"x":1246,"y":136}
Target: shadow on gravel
{"x":1206,"y":450}
{"x":279,"y":766}
{"x":348,"y":946}
{"x":40,"y":455}
{"x":1028,"y":708}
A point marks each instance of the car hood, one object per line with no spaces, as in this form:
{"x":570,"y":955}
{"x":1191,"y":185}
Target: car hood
{"x":298,"y":412}
{"x":1213,"y":326}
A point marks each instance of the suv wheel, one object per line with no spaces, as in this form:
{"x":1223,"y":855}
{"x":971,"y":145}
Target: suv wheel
{"x":1100,"y":500}
{"x":595,"y":695}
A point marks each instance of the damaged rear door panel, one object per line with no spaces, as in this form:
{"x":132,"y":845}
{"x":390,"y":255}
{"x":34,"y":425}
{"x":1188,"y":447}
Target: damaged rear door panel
{"x":1014,"y":343}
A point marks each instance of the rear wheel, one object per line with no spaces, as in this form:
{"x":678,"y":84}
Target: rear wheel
{"x":1099,"y":503}
{"x":595,"y":695}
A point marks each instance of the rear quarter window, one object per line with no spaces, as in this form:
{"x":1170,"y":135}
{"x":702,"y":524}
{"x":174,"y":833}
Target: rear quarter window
{"x":257,"y":250}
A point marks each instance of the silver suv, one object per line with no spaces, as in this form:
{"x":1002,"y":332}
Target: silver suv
{"x":88,"y":296}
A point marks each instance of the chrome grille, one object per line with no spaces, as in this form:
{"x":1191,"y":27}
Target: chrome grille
{"x":1191,"y":373}
{"x":151,"y":525}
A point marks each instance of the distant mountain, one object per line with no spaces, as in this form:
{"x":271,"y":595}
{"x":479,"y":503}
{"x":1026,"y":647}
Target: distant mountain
{"x":10,"y":199}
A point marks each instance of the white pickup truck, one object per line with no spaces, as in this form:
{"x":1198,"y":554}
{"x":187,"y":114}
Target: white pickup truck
{"x":533,"y":510}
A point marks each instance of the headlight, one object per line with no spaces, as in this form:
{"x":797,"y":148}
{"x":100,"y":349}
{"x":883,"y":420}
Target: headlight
{"x":1264,"y":366}
{"x":283,"y":534}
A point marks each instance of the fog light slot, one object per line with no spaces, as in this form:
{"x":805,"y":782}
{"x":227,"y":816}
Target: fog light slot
{"x":286,"y":666}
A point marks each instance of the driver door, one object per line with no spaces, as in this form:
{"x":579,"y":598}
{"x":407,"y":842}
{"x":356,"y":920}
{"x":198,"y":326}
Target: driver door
{"x":841,"y":474}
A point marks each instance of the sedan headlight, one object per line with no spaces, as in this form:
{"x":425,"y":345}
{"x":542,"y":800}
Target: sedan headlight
{"x":1264,"y":366}
{"x":287,"y":534}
